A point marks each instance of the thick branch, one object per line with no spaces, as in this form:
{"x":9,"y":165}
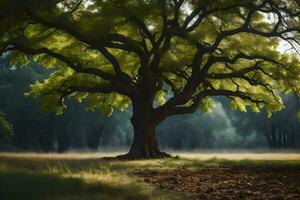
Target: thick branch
{"x":116,"y":65}
{"x":72,"y":89}
{"x":161,"y":113}
{"x":97,"y":89}
{"x":108,"y":40}
{"x":201,"y":13}
{"x":67,"y":61}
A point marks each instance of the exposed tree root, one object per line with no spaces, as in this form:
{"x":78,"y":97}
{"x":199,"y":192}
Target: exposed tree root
{"x":138,"y":156}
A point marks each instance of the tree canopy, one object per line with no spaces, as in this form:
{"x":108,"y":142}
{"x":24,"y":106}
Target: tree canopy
{"x":179,"y":52}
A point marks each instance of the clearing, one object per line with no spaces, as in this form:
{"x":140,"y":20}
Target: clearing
{"x":76,"y":176}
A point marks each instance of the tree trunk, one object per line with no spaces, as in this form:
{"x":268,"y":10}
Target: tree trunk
{"x":144,"y":145}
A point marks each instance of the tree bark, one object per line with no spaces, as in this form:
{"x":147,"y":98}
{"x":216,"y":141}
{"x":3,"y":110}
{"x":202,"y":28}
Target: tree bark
{"x":144,"y":145}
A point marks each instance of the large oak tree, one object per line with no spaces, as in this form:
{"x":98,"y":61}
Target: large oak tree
{"x":165,"y":57}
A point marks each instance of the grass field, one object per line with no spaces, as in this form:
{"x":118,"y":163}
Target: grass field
{"x":76,"y":176}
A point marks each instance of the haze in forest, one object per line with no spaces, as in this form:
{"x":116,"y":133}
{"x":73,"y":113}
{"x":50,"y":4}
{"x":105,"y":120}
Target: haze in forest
{"x":77,"y":129}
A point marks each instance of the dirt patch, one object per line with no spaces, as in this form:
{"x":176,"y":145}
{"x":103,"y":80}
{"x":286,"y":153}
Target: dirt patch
{"x":235,"y":182}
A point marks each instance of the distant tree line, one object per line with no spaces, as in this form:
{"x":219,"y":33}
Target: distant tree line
{"x":281,"y":137}
{"x":38,"y":131}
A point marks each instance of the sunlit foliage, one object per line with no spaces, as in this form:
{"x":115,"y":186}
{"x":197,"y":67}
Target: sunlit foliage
{"x":180,"y":52}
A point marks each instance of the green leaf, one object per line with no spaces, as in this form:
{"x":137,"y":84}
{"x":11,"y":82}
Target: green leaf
{"x":206,"y":105}
{"x":160,"y":97}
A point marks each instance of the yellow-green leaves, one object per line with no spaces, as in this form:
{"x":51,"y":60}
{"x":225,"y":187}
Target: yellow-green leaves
{"x":54,"y":89}
{"x":144,"y":38}
{"x":239,"y":104}
{"x":52,"y":103}
{"x":206,"y":105}
{"x":19,"y":58}
{"x":160,"y":97}
{"x":106,"y":103}
{"x":45,"y":61}
{"x":255,"y":108}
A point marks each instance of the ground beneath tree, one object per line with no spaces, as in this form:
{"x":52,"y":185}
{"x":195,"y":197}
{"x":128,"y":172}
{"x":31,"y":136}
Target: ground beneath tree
{"x":230,"y":182}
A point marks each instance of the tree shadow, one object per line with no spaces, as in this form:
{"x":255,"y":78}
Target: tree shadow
{"x":19,"y":185}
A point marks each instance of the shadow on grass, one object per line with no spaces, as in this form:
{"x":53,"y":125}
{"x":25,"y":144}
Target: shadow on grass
{"x":18,"y":185}
{"x":21,"y":185}
{"x":27,"y":178}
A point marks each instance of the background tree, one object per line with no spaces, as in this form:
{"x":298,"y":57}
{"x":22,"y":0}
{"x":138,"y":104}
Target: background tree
{"x":279,"y":131}
{"x":282,"y":129}
{"x":113,"y":53}
{"x":22,"y":113}
{"x":38,"y":131}
{"x":6,"y":128}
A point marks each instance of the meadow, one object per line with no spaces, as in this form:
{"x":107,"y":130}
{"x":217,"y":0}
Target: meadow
{"x":76,"y":176}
